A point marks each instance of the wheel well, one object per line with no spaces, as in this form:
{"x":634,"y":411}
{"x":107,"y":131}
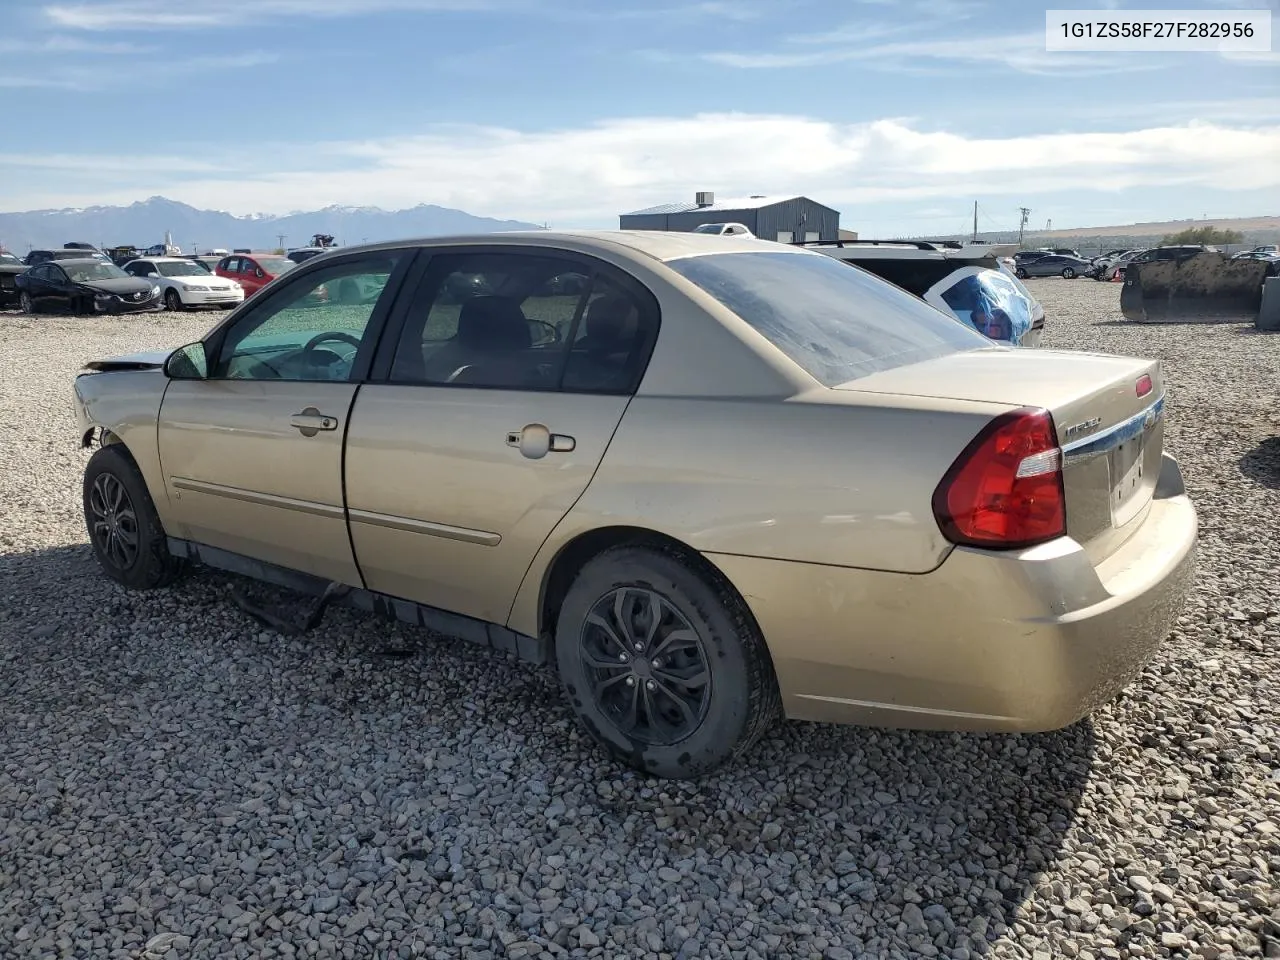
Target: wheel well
{"x":577,"y":553}
{"x":108,"y":439}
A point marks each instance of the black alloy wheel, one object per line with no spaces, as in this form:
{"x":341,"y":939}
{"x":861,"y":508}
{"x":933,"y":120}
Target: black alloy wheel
{"x":663,"y":662}
{"x":647,"y":666}
{"x":114,"y":522}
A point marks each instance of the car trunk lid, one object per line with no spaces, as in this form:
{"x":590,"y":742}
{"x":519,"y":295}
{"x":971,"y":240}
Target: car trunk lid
{"x":1107,"y":410}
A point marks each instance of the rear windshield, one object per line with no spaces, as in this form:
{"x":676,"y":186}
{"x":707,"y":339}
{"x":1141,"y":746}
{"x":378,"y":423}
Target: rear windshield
{"x":834,"y":320}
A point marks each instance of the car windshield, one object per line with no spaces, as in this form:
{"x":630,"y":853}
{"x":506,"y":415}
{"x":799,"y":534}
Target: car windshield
{"x":85,"y":272}
{"x":835,"y":322}
{"x":275,"y":265}
{"x":179,"y":270}
{"x":8,"y":258}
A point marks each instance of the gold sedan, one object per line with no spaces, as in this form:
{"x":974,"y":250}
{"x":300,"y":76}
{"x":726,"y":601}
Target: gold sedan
{"x":715,"y":480}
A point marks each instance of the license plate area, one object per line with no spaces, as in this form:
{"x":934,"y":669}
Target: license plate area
{"x":1130,"y":482}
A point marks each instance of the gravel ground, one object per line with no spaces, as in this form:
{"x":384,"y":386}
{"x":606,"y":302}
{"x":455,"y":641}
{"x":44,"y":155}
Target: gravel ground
{"x":177,"y":783}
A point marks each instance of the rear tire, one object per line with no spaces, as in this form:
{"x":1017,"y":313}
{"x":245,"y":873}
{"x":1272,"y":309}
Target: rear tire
{"x":173,"y":300}
{"x":26,"y":304}
{"x":679,"y":697}
{"x":1068,"y":273}
{"x":1020,"y":274}
{"x":123,"y":525}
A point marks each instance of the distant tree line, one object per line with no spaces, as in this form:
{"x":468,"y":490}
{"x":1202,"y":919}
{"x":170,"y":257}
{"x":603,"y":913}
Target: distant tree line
{"x":1210,"y":236}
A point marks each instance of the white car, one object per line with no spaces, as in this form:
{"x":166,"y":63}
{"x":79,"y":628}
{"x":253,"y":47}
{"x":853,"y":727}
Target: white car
{"x":187,"y":284}
{"x":725,"y":229}
{"x":1106,"y":268}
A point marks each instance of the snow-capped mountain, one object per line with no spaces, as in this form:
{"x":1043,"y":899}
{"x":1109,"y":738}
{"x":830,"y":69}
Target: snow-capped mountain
{"x":145,"y":222}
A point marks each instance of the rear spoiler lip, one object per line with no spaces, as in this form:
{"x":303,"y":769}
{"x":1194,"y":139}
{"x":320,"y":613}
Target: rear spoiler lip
{"x":1097,"y":444}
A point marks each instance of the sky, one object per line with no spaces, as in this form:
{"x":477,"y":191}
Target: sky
{"x":898,"y":113}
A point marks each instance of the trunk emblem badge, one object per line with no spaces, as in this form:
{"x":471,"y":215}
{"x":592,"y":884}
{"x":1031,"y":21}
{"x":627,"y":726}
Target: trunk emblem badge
{"x":1080,"y":429}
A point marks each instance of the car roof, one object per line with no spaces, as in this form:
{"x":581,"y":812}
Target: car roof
{"x":849,"y":251}
{"x":164,"y":259}
{"x":654,"y":244}
{"x":63,"y":261}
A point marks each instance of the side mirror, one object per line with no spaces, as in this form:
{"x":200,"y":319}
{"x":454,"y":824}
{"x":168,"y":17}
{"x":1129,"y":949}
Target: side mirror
{"x":259,"y":272}
{"x":187,"y":363}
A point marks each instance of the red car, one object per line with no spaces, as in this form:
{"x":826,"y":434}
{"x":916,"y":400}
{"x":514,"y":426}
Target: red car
{"x":253,"y":271}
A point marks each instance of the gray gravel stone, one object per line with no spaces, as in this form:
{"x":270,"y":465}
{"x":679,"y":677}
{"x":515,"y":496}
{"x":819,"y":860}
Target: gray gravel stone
{"x":171,"y":770}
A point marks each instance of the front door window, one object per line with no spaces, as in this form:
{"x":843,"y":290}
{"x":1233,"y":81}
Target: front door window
{"x":311,"y":329}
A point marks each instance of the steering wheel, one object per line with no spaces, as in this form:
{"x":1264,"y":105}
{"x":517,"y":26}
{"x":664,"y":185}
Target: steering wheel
{"x":543,"y":326}
{"x":320,"y":338}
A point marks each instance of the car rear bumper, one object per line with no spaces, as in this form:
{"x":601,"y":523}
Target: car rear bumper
{"x":1026,"y":641}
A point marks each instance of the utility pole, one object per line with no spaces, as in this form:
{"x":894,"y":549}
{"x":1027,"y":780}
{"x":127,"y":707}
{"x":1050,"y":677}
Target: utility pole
{"x":1048,"y":224}
{"x":975,"y":220}
{"x":1022,"y":224}
{"x":280,"y":237}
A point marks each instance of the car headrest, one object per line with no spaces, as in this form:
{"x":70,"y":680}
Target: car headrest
{"x":610,"y":318}
{"x":493,"y":323}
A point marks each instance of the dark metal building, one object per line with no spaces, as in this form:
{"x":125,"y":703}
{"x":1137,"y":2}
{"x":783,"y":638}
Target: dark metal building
{"x":770,"y":218}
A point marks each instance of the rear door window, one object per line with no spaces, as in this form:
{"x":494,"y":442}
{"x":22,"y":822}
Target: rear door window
{"x":836,"y":323}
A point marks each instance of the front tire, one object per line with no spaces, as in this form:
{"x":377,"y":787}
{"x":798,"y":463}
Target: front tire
{"x":1020,"y":274}
{"x":1068,"y":273}
{"x":26,"y":304}
{"x":663,"y":663}
{"x":123,"y":525}
{"x":172,"y":300}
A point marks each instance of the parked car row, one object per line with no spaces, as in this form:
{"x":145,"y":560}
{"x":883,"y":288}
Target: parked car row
{"x":1112,"y":264}
{"x":80,"y":279}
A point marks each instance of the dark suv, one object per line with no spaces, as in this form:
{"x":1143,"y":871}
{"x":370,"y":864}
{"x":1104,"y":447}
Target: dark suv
{"x":44,"y":256}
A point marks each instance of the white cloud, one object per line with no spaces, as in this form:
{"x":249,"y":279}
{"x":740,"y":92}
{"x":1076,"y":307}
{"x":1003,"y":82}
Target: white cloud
{"x":167,"y":15}
{"x":1023,"y":52}
{"x":79,"y":77}
{"x":1253,"y":58}
{"x":164,"y":15}
{"x":586,"y":176}
{"x":65,"y":44}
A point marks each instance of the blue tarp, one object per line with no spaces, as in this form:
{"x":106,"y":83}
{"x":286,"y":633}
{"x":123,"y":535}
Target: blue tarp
{"x":991,"y":303}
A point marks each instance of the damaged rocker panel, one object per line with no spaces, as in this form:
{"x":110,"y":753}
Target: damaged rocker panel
{"x":521,"y":646}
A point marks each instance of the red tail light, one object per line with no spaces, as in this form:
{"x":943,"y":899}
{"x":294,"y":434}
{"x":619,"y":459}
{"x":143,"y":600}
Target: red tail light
{"x":1005,"y":490}
{"x":1143,"y":386}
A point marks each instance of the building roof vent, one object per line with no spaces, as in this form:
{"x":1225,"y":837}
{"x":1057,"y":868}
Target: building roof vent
{"x":704,"y":198}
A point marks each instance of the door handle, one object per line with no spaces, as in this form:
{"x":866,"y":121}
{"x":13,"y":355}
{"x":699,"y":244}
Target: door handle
{"x":311,"y":421}
{"x":535,"y":441}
